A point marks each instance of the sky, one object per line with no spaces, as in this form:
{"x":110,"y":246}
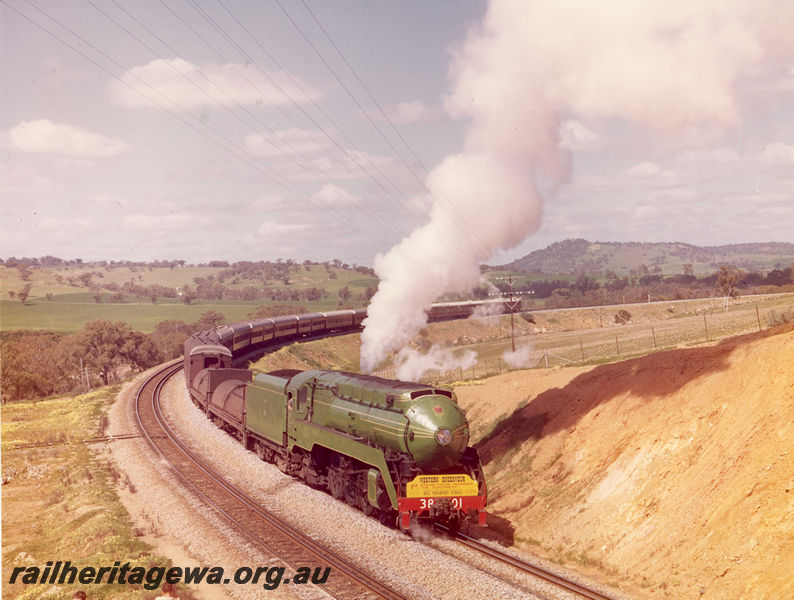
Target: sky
{"x":255,"y":130}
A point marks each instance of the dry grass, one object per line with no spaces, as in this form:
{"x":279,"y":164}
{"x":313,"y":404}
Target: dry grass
{"x":61,"y":501}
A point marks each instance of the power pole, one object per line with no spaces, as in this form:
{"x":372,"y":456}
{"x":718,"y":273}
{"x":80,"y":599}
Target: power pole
{"x":512,"y":306}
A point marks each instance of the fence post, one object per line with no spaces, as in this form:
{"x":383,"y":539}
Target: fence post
{"x":546,"y":356}
{"x":617,"y":345}
{"x":654,"y":339}
{"x":581,"y":347}
{"x":707,"y":327}
{"x":758,"y":316}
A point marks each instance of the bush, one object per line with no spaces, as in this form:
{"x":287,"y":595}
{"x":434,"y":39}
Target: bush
{"x":622,"y":316}
{"x":783,"y":317}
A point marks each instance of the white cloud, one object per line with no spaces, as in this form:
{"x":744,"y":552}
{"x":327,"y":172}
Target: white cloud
{"x":377,"y":171}
{"x":167,"y":223}
{"x":267,"y":202}
{"x":778,"y":154}
{"x":178,"y":84}
{"x":334,"y":195}
{"x":651,"y":174}
{"x":412,"y":112}
{"x":24,"y":178}
{"x":273,"y":229}
{"x":707,"y":163}
{"x":576,"y":136}
{"x":66,"y":227}
{"x":287,"y":142}
{"x":45,"y":137}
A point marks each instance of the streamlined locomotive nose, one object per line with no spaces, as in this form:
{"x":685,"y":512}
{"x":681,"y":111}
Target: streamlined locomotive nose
{"x":437,"y":433}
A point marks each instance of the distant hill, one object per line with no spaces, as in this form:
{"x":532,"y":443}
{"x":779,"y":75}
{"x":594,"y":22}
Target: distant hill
{"x":573,"y":256}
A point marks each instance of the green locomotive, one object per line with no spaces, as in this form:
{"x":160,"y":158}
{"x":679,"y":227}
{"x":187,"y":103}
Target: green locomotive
{"x":389,"y":448}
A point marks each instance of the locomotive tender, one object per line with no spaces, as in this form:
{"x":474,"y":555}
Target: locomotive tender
{"x":389,"y":448}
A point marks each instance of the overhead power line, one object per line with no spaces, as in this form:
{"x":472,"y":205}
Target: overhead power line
{"x":456,"y":218}
{"x":234,"y":149}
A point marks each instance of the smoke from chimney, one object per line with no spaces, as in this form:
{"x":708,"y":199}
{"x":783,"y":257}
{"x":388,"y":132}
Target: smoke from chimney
{"x":669,"y":70}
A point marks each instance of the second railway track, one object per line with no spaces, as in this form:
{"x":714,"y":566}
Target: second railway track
{"x":266,"y":530}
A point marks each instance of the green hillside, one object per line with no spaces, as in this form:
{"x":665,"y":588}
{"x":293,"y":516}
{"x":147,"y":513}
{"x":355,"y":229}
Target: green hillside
{"x":63,"y":298}
{"x":573,"y":256}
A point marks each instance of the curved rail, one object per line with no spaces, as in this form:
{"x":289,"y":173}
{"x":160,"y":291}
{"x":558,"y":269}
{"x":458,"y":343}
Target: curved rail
{"x":524,"y":566}
{"x":264,"y":528}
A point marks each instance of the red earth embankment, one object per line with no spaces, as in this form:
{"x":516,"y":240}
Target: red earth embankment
{"x":671,"y":474}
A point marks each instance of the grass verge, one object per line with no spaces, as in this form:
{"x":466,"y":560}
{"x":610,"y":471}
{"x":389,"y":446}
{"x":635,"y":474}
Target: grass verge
{"x":60,"y":501}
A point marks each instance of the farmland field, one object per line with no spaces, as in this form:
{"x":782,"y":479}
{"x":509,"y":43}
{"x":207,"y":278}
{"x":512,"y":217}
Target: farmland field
{"x":59,"y":302}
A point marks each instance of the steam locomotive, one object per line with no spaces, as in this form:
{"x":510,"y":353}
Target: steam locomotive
{"x":397,"y":451}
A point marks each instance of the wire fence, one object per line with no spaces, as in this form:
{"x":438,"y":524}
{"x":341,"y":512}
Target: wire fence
{"x":613,"y":342}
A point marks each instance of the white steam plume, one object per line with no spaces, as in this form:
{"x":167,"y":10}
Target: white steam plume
{"x":519,"y":358}
{"x":411,"y":365}
{"x":672,"y":69}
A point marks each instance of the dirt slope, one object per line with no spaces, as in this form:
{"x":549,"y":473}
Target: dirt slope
{"x":672,"y":474}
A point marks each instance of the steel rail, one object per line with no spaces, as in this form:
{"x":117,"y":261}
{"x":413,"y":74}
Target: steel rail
{"x":249,"y":516}
{"x":525,"y":566}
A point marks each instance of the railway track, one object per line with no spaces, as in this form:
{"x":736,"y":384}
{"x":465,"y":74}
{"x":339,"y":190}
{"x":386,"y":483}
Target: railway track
{"x":274,"y":535}
{"x":266,"y":530}
{"x":525,"y":567}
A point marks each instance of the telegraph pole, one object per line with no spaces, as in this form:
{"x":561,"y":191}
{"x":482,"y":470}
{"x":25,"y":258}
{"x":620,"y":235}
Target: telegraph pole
{"x":512,"y":306}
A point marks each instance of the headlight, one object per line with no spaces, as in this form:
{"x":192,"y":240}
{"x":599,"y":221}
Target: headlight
{"x":443,"y":436}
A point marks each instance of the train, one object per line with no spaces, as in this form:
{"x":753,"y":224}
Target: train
{"x":398,"y":451}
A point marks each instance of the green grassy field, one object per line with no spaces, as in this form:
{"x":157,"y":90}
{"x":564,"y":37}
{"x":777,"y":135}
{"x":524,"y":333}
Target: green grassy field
{"x":66,"y":315}
{"x":69,"y":307}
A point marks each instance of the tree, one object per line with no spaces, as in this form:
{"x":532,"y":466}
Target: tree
{"x":35,"y":365}
{"x":728,"y":280}
{"x":140,"y":352}
{"x":344,"y":295}
{"x":779,"y":277}
{"x":585,"y":284}
{"x":188,"y":295}
{"x":85,"y":278}
{"x":170,"y":336}
{"x":208,"y":320}
{"x":108,"y":346}
{"x":275,"y":310}
{"x":24,"y":293}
